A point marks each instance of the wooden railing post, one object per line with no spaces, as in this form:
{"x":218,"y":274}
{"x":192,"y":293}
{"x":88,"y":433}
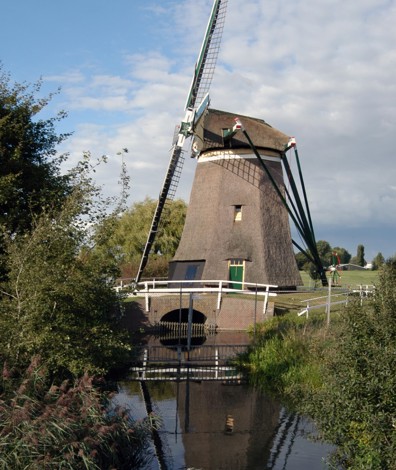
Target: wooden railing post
{"x":219,"y":295}
{"x":265,"y":300}
{"x":147,"y":297}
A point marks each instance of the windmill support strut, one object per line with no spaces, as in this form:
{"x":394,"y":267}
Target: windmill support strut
{"x":302,"y":220}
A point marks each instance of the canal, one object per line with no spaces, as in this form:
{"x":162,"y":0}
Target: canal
{"x":221,"y":425}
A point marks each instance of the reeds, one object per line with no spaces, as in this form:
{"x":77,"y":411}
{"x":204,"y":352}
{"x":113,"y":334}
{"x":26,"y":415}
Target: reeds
{"x":69,"y":426}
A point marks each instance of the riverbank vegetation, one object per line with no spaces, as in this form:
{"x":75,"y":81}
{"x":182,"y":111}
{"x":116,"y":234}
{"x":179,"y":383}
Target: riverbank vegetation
{"x":342,"y":374}
{"x":59,"y":313}
{"x":67,"y":426}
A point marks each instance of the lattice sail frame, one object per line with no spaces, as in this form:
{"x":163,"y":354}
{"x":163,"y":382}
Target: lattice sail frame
{"x":198,"y":93}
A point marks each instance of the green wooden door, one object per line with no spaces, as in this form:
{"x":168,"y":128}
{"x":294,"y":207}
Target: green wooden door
{"x":236,"y":274}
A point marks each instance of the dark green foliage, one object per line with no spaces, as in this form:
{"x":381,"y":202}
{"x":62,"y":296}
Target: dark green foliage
{"x":280,"y":359}
{"x":130,"y":232}
{"x":328,"y":255}
{"x":342,"y":376}
{"x":324,"y":250}
{"x":133,"y":227}
{"x":342,"y":254}
{"x":301,"y":260}
{"x":359,"y":258}
{"x":378,"y":261}
{"x":356,"y":408}
{"x":29,"y":169}
{"x":70,"y":426}
{"x":58,"y":300}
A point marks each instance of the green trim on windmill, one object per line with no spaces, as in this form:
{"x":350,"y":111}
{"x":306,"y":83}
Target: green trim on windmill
{"x":228,"y":134}
{"x":185,"y":128}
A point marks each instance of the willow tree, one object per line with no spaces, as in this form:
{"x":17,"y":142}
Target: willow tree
{"x":129,"y":234}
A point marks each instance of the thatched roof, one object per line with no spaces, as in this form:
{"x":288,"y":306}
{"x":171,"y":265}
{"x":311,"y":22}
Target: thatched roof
{"x":234,"y":178}
{"x":210,"y":128}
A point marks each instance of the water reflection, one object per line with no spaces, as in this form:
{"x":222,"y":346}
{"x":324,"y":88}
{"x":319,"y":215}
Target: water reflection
{"x":196,"y":433}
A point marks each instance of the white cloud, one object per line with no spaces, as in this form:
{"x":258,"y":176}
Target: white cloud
{"x":320,"y":71}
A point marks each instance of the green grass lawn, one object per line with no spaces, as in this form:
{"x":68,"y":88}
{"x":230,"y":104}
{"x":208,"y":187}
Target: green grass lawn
{"x":294,"y":302}
{"x":347,"y":278}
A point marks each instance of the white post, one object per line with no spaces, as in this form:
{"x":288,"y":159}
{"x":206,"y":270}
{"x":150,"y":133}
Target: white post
{"x":144,"y":364}
{"x":216,"y":363}
{"x":265,"y":300}
{"x":219,"y":295}
{"x":329,"y":302}
{"x":147,"y":297}
{"x":189,"y":325}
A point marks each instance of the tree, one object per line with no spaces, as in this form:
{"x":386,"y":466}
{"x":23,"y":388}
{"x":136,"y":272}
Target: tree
{"x":326,"y":253}
{"x":359,"y":258}
{"x":30,"y":171}
{"x":301,"y":260}
{"x":130,"y":234}
{"x":324,"y":250}
{"x":378,"y":261}
{"x":30,"y":178}
{"x":356,"y":407}
{"x":343,"y":255}
{"x":58,"y":302}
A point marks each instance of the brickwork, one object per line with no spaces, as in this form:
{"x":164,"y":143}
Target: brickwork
{"x":235,"y":314}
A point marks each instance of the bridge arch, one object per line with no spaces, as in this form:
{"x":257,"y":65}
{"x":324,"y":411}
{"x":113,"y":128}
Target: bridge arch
{"x":174,"y":328}
{"x":181,"y":315}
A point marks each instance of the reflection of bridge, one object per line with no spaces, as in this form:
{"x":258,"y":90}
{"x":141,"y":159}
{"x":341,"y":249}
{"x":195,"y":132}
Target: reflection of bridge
{"x":179,"y":363}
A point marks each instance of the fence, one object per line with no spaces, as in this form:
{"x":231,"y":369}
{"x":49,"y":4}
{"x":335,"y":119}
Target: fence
{"x":364,"y":291}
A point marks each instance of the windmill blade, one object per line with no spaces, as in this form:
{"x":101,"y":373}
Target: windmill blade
{"x":207,"y":59}
{"x":198,"y":94}
{"x":168,"y":189}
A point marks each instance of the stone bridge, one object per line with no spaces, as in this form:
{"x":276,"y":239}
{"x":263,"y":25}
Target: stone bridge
{"x":235,"y":312}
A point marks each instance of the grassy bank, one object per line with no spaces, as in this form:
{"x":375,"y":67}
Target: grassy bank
{"x":347,"y":278}
{"x":341,"y":374}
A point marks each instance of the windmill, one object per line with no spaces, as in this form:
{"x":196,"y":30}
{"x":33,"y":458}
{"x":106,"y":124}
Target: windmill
{"x":196,"y":103}
{"x":236,"y":228}
{"x":237,"y":224}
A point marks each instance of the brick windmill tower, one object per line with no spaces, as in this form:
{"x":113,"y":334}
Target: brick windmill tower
{"x":236,"y":227}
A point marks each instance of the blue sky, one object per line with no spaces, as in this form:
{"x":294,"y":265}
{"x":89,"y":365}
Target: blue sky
{"x":320,"y":71}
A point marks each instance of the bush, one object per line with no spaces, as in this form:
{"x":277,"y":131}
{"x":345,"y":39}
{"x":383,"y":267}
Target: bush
{"x":356,"y":407}
{"x":57,"y":301}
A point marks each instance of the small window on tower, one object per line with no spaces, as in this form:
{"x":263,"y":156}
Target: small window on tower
{"x":237,"y":213}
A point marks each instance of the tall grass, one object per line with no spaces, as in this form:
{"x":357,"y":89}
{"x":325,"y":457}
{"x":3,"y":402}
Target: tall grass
{"x":285,"y":360}
{"x":69,"y":426}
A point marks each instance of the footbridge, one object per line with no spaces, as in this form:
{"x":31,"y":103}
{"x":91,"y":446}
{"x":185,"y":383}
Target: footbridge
{"x":196,"y":305}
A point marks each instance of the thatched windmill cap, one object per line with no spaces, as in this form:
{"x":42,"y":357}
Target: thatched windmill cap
{"x":211,"y":128}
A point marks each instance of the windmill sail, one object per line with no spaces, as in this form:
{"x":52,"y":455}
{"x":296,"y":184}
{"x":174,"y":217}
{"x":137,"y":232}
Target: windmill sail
{"x":203,"y":74}
{"x":207,"y":59}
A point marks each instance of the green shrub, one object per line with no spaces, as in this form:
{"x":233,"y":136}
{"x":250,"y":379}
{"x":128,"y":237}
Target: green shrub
{"x":356,"y":408}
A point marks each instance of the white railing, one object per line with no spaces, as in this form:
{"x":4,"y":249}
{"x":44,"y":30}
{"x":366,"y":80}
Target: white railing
{"x":364,"y":291}
{"x":325,"y":304}
{"x":190,"y":287}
